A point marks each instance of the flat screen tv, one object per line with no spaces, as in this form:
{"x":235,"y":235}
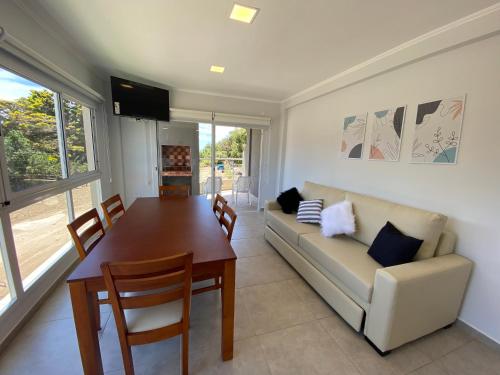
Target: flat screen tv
{"x":137,"y":100}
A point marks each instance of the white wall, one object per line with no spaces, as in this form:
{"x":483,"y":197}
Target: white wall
{"x":469,"y":192}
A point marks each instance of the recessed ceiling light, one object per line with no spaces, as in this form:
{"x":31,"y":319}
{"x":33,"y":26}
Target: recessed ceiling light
{"x":217,"y":69}
{"x":243,"y":13}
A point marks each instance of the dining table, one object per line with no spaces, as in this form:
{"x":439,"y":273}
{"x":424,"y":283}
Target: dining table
{"x":153,"y":228}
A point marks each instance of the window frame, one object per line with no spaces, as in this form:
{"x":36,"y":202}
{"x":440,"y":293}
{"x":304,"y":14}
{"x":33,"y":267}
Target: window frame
{"x":59,"y":96}
{"x":21,"y":295}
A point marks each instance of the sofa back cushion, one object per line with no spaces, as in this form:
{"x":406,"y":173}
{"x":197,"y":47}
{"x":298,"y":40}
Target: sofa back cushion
{"x":330,"y":195}
{"x":373,"y":213}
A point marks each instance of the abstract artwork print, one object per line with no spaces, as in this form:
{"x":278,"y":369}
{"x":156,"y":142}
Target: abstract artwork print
{"x":386,"y":134}
{"x":353,"y":136}
{"x":438,"y":130}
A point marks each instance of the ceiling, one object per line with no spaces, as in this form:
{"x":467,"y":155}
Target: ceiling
{"x":291,"y":45}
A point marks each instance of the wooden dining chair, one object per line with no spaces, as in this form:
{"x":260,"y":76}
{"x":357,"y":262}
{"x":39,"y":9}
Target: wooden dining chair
{"x":151,"y":302}
{"x":113,"y":209}
{"x":86,"y":232}
{"x":171,"y":191}
{"x":227,"y":220}
{"x":219,"y":202}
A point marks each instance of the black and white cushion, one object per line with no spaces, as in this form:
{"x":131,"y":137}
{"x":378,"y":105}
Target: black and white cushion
{"x":310,"y":211}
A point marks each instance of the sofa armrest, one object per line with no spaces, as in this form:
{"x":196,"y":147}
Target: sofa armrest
{"x":414,"y":299}
{"x":272,"y":205}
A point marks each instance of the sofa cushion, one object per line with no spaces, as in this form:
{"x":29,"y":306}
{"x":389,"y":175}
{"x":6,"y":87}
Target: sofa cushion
{"x":391,"y":247}
{"x":289,"y":200}
{"x":287,"y":227}
{"x":330,"y":195}
{"x":310,"y":211}
{"x":346,"y":259}
{"x":373,"y":213}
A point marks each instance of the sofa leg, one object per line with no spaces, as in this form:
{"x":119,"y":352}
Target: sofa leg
{"x":379,"y":352}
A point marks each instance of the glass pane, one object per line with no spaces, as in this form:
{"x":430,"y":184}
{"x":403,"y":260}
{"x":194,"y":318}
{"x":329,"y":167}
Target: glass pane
{"x":28,"y":121}
{"x":79,"y":143}
{"x":205,"y":160}
{"x":230,"y":155}
{"x":85,"y":198}
{"x":5,"y":297}
{"x":40,"y":235}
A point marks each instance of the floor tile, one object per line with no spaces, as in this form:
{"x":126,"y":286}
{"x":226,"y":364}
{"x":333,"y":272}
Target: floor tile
{"x":43,"y":348}
{"x":472,"y":358}
{"x":275,"y":306}
{"x":250,"y":247}
{"x":356,"y":348}
{"x":443,"y":341}
{"x":305,"y":349}
{"x":433,"y":368}
{"x":262,"y":269}
{"x":247,"y":231}
{"x":315,"y":303}
{"x":248,"y":360}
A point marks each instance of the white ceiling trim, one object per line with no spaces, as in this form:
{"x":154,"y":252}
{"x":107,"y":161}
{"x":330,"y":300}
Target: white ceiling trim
{"x":483,"y":23}
{"x":190,"y":115}
{"x":212,"y":93}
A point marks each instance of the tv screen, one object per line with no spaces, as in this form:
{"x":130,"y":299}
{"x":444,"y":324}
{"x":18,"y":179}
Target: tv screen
{"x":137,"y":100}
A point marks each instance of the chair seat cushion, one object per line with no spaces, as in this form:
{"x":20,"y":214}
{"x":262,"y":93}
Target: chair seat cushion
{"x":346,"y":259}
{"x":287,"y":226}
{"x":148,"y":318}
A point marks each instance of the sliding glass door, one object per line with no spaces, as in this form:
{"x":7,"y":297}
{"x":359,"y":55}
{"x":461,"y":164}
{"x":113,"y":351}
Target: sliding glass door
{"x":237,"y":164}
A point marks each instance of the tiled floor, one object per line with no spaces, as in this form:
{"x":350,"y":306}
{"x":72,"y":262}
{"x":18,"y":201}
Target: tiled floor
{"x":282,"y":327}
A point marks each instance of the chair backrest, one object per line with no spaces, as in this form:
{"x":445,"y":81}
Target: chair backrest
{"x":208,"y":185}
{"x":86,"y":232}
{"x":243,"y":184}
{"x":228,"y":220}
{"x":219,"y":203}
{"x":133,"y":285}
{"x":167,"y":191}
{"x":113,"y":209}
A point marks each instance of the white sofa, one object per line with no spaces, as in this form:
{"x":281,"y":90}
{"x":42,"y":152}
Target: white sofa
{"x":392,"y":305}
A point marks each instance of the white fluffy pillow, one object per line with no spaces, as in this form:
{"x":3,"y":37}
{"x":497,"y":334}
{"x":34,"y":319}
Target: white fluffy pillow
{"x":337,"y":219}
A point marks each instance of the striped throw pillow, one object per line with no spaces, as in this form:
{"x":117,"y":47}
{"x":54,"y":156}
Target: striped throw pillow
{"x":310,"y":211}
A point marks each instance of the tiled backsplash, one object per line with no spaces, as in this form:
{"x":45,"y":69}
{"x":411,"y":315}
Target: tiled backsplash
{"x":176,"y":158}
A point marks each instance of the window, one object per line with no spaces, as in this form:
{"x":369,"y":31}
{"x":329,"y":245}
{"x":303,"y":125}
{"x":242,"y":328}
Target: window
{"x":49,"y":173}
{"x":40,"y":234}
{"x":30,"y":132}
{"x":4,"y":286}
{"x":79,"y":140}
{"x":86,"y":197}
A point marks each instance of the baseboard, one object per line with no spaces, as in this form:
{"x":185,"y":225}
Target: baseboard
{"x":479,"y":335}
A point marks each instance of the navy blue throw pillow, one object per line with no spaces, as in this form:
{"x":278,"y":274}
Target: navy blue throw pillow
{"x":391,"y":247}
{"x":289,"y":200}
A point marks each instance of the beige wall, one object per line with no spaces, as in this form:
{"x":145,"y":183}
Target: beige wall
{"x":469,"y":192}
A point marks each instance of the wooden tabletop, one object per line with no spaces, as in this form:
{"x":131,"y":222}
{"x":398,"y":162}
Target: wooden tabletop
{"x":152,"y":228}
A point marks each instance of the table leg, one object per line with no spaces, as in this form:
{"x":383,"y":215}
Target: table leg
{"x":228,"y":298}
{"x":83,"y":303}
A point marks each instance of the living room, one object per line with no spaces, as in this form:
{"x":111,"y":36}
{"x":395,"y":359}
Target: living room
{"x":377,"y":120}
